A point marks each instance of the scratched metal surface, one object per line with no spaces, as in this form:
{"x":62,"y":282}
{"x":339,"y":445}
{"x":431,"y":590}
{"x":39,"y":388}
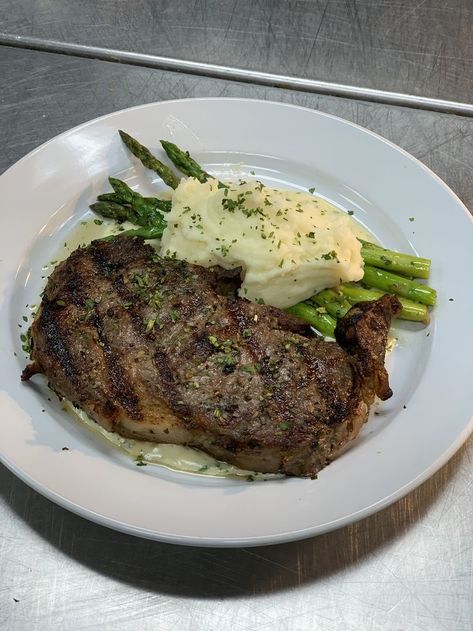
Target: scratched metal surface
{"x":409,"y":567}
{"x":422,"y":47}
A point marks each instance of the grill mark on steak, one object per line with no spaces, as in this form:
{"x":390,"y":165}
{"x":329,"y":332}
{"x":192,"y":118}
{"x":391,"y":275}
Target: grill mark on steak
{"x":57,"y":343}
{"x":167,"y":379}
{"x":162,"y":364}
{"x":55,"y":333}
{"x":277,"y":402}
{"x":130,"y":304}
{"x":109,"y":264}
{"x":164,"y":374}
{"x":283,"y":394}
{"x":339,"y":408}
{"x":120,"y":386}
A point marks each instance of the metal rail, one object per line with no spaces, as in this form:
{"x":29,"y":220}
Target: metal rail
{"x":239,"y":74}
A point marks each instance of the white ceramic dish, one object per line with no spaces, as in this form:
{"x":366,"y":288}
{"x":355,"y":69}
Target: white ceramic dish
{"x":414,"y":433}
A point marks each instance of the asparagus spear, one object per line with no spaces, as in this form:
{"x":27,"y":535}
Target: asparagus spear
{"x":116,"y":211}
{"x":149,"y":161}
{"x":185,"y":163}
{"x":145,"y":206}
{"x":394,"y":261}
{"x":125,"y":212}
{"x":394,"y":284}
{"x":413,"y":311}
{"x":334,"y":302}
{"x":321,"y":321}
{"x":150,"y":232}
{"x":146,"y":232}
{"x":164,"y":205}
{"x":110,"y":197}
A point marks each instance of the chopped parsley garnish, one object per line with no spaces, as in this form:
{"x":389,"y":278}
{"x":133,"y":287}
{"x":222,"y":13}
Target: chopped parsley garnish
{"x":226,"y":360}
{"x":251,"y":368}
{"x":174,"y":315}
{"x":150,"y":322}
{"x":329,"y":255}
{"x":26,"y":342}
{"x":225,"y":346}
{"x":232,"y":204}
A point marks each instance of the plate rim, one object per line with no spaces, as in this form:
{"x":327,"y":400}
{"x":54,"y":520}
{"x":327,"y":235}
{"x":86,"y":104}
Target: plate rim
{"x":241,"y":542}
{"x":91,"y":121}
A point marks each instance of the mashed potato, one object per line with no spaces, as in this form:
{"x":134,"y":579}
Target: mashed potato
{"x":289,"y":244}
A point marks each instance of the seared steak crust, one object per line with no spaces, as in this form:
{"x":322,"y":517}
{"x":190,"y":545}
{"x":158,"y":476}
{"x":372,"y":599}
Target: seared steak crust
{"x":162,"y":350}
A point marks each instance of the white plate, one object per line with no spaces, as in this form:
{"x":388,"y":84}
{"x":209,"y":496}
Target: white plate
{"x":47,"y":193}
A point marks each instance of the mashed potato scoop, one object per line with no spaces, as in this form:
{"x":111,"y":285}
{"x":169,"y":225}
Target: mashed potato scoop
{"x":289,"y":244}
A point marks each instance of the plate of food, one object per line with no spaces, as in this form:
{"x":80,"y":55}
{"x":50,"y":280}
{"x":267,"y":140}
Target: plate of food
{"x":231,"y":322}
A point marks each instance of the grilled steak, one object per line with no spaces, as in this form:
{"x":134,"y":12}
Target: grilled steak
{"x":162,"y":350}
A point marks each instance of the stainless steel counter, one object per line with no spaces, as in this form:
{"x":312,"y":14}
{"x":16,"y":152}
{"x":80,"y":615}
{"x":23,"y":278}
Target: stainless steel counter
{"x":407,"y":567}
{"x":418,"y":47}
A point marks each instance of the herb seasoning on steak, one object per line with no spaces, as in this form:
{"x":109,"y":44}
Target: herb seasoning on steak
{"x":161,"y":350}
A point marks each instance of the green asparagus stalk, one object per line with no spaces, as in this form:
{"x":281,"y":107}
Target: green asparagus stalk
{"x":144,"y":233}
{"x":394,"y":284}
{"x":413,"y":311}
{"x":150,"y":232}
{"x":118,"y":212}
{"x":185,"y":163}
{"x":333,"y":301}
{"x":110,"y":197}
{"x":142,"y":205}
{"x":317,"y":318}
{"x":394,"y":261}
{"x":125,"y":212}
{"x":149,"y":161}
{"x":164,"y":205}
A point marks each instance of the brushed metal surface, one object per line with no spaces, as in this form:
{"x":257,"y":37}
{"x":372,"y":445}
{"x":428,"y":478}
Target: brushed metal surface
{"x":420,"y":47}
{"x":407,"y":567}
{"x":44,"y":94}
{"x":237,"y":74}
